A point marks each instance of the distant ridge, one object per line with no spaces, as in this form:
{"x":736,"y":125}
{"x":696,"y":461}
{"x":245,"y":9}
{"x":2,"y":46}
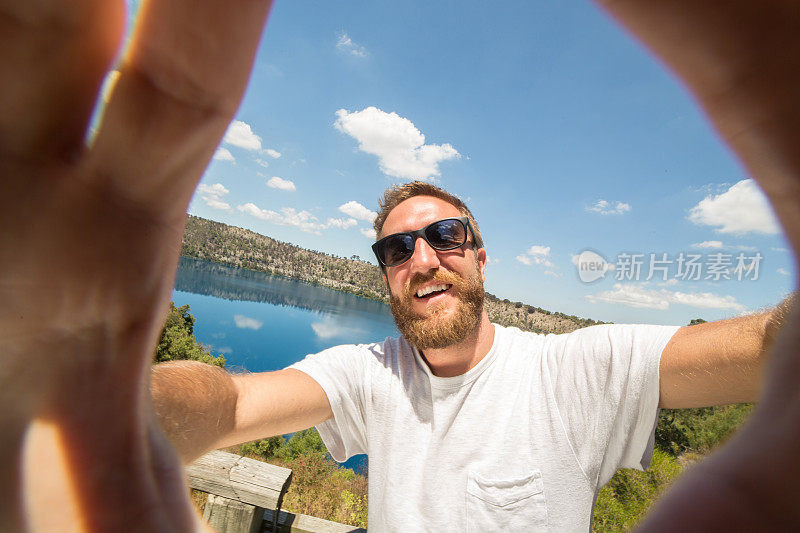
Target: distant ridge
{"x":230,"y":245}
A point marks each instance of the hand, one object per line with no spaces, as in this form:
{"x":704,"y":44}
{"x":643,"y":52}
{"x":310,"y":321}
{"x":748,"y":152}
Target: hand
{"x":90,"y":241}
{"x":742,"y":61}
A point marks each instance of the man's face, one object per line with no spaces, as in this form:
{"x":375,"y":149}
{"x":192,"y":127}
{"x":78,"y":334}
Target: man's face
{"x":442,"y":317}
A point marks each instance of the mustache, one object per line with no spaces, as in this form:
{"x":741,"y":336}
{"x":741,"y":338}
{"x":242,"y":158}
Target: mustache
{"x":439,"y":276}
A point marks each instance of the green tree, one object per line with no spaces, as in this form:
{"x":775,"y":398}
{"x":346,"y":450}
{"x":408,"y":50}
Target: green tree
{"x":305,"y":442}
{"x":264,"y":448}
{"x":695,"y":321}
{"x":178,"y":341}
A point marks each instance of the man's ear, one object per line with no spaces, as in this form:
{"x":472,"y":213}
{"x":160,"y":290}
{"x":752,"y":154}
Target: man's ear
{"x":383,"y":275}
{"x":482,"y":259}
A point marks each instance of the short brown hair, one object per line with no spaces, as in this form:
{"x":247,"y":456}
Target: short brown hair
{"x":396,"y":194}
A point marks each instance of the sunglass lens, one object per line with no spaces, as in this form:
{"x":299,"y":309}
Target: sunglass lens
{"x":397,"y":249}
{"x":446,"y":234}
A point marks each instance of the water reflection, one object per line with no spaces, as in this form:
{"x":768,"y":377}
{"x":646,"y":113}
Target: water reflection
{"x":262,"y":322}
{"x":333,"y":327}
{"x":231,"y":283}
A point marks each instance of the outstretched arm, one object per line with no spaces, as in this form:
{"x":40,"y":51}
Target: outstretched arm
{"x":202,"y":407}
{"x":719,"y":362}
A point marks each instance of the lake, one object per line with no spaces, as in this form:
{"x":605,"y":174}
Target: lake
{"x":261,"y":322}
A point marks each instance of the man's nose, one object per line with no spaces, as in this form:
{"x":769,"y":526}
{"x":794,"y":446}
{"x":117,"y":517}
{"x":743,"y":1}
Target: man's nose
{"x":425,"y":258}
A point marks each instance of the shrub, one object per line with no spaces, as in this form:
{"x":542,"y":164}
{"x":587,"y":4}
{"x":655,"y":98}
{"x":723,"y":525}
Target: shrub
{"x":698,"y":430}
{"x":626,"y":498}
{"x":320,"y":487}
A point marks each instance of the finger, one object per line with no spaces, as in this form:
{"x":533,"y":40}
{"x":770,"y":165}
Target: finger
{"x":178,"y":88}
{"x":53,"y":56}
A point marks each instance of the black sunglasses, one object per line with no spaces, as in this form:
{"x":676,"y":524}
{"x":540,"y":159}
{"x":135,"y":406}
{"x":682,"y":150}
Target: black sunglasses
{"x":442,"y":235}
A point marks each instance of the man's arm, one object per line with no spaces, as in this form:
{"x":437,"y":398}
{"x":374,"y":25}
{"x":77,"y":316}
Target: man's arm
{"x":202,"y":407}
{"x":713,"y":363}
{"x":718,"y":362}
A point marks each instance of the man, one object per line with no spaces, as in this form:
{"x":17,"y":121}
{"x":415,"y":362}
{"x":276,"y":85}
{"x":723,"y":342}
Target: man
{"x":91,"y":238}
{"x":468,"y":424}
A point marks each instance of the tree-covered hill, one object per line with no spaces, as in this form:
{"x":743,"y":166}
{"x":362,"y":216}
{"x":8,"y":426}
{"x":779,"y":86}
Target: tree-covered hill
{"x":229,"y":245}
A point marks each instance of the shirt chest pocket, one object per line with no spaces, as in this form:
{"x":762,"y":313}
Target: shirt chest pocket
{"x":506,"y":504}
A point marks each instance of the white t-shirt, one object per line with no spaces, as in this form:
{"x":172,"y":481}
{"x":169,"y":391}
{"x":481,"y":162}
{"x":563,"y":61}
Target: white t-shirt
{"x":521,"y":442}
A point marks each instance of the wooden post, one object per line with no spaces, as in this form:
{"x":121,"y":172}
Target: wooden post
{"x":239,"y":489}
{"x":226,"y":515}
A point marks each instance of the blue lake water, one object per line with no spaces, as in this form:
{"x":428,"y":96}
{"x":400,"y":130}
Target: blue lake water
{"x":261,"y":322}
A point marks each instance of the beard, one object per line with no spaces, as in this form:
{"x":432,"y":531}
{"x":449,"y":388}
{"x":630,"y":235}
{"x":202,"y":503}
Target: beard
{"x":435,"y":329}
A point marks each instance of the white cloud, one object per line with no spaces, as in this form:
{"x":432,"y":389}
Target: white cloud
{"x":109,"y":83}
{"x":706,"y":300}
{"x":215,"y":203}
{"x":536,"y":255}
{"x":717,"y":245}
{"x":212,"y":196}
{"x":639,"y":296}
{"x":223,"y":154}
{"x":279,"y":183}
{"x":539,"y":250}
{"x":343,"y":223}
{"x":399,"y":145}
{"x":356,"y":210}
{"x":605,"y":207}
{"x":552,"y":273}
{"x":708,"y":244}
{"x":241,"y":134}
{"x":288,"y":216}
{"x":783,"y":250}
{"x":264,"y":163}
{"x":348,"y":46}
{"x":741,"y":209}
{"x":783,"y":271}
{"x":304,"y":220}
{"x":274,"y":154}
{"x":245,"y":322}
{"x":631,"y":296}
{"x":368,"y":232}
{"x":217,"y":189}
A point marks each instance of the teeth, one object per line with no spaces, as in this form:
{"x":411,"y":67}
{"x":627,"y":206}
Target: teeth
{"x":430,"y":289}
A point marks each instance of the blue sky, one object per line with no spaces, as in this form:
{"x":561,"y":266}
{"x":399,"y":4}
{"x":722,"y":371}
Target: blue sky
{"x":559,"y":131}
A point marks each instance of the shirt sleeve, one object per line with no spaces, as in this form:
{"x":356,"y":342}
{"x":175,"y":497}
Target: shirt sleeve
{"x":340,"y":372}
{"x":606,"y":386}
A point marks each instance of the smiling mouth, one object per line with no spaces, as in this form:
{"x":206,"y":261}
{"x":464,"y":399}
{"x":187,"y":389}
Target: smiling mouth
{"x":429,"y":292}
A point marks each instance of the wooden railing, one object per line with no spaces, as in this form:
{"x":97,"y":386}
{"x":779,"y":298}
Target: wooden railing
{"x":245,"y":495}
